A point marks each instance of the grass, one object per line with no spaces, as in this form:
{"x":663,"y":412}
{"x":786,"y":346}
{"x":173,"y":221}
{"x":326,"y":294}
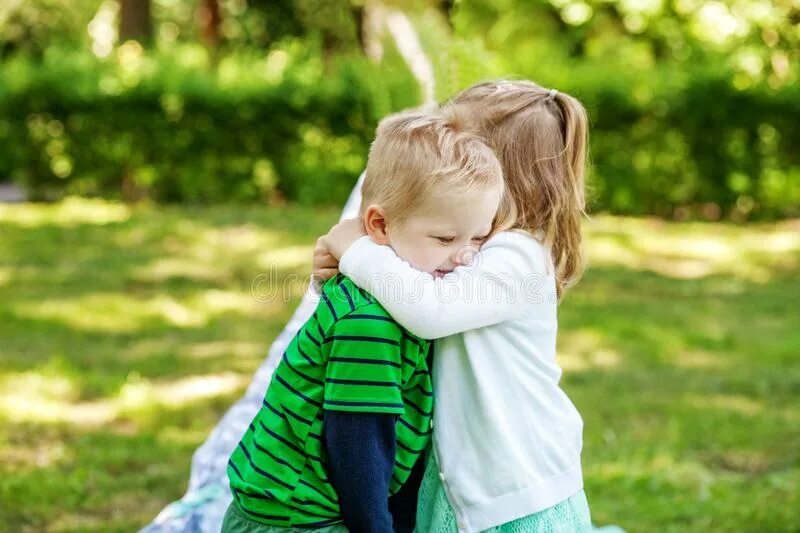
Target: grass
{"x":126,"y":332}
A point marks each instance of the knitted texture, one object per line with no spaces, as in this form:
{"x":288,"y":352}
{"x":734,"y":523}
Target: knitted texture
{"x":435,"y":514}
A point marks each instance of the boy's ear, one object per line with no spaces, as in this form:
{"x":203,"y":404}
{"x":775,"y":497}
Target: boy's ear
{"x":375,"y":224}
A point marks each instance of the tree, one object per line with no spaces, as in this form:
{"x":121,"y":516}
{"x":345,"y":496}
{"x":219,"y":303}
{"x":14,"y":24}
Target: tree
{"x":135,"y":20}
{"x":210,"y":20}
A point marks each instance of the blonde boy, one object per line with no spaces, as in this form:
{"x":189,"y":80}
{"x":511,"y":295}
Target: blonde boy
{"x":348,"y":411}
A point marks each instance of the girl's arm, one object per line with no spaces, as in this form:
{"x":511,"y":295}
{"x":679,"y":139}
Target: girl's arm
{"x":510,"y":278}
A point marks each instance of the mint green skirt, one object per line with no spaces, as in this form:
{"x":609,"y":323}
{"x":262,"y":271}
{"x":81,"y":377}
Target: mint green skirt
{"x":435,"y":514}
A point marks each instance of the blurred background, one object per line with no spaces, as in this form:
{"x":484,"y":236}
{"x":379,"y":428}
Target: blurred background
{"x":158,"y":156}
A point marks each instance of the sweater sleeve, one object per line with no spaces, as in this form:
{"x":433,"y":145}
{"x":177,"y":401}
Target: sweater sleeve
{"x":403,"y":504}
{"x":511,"y":277}
{"x":361,"y":450}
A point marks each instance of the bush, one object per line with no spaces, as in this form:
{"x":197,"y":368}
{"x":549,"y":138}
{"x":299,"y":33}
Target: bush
{"x":173,"y":129}
{"x":683,"y":143}
{"x":668,"y":141}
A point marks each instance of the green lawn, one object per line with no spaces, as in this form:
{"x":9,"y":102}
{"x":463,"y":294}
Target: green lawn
{"x":125,"y":333}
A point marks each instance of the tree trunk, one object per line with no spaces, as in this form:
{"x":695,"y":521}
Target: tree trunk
{"x":210,"y":20}
{"x":410,"y":48}
{"x":447,"y":10}
{"x":134,"y":20}
{"x":371,"y":28}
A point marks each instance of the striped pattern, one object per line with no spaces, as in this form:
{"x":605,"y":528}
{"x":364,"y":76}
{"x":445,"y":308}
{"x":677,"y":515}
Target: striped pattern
{"x":349,"y":356}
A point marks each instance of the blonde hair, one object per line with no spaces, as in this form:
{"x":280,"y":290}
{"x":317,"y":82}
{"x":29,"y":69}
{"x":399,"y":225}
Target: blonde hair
{"x":541,"y":138}
{"x":417,"y":154}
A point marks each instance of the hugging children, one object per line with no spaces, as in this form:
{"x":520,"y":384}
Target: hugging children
{"x":348,"y":416}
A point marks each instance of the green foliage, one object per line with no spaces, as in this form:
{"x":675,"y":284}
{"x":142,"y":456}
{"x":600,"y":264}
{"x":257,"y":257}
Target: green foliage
{"x":667,"y":142}
{"x":31,"y":26}
{"x":688,"y":118}
{"x":670,"y":141}
{"x":693,"y":105}
{"x":171,"y":128}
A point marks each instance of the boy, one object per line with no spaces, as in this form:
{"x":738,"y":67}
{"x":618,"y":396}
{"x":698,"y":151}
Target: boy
{"x":348,"y":411}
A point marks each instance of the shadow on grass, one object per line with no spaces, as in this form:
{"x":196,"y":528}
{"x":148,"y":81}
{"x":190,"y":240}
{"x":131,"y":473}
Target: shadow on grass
{"x":690,"y":392}
{"x":126,"y":333}
{"x":112,"y":477}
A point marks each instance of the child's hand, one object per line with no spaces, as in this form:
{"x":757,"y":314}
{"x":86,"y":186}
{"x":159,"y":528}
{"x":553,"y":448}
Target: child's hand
{"x":342,"y":235}
{"x":325,"y":265}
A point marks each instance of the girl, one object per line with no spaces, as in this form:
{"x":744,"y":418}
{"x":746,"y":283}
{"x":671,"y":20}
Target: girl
{"x":507,"y":440}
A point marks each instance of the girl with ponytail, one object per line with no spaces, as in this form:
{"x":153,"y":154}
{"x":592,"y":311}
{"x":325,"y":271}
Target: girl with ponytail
{"x":506,"y":447}
{"x":541,"y":139}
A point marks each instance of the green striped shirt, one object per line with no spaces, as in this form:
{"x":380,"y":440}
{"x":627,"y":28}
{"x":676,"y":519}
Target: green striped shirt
{"x":349,"y":356}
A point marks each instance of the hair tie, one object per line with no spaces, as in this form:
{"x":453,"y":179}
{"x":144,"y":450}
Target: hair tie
{"x":551,"y":95}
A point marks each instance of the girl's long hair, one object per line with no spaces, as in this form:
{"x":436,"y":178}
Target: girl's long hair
{"x":541,"y":139}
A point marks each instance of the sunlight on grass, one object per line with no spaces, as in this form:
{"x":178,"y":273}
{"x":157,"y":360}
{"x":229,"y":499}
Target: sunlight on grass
{"x":229,"y":349}
{"x":697,"y":359}
{"x":110,"y":312}
{"x":67,"y":213}
{"x":45,"y":386}
{"x":585,"y":349}
{"x":693,"y":251}
{"x":201,"y":253}
{"x":5,"y":276}
{"x":171,"y":435}
{"x":217,"y":264}
{"x":224,"y":348}
{"x":662,"y":472}
{"x":740,"y":461}
{"x":738,"y":403}
{"x":39,"y":455}
{"x":289,"y":257}
{"x":194,"y":238}
{"x":81,"y":522}
{"x":139,"y":393}
{"x":129,"y":330}
{"x":37,"y":397}
{"x":164,"y":268}
{"x":121,"y":313}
